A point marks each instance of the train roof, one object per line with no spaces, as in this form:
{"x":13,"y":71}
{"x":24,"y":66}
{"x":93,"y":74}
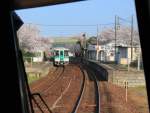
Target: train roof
{"x":60,"y":48}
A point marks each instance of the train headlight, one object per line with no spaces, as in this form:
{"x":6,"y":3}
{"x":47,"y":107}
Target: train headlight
{"x":57,"y":60}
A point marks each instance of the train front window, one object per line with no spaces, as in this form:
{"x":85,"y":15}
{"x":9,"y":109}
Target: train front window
{"x":65,"y":53}
{"x":57,"y":53}
{"x":61,"y":53}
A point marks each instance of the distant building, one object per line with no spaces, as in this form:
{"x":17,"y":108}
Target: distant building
{"x":109,"y":51}
{"x":39,"y":56}
{"x":92,"y":51}
{"x":106,"y":53}
{"x":123,"y":54}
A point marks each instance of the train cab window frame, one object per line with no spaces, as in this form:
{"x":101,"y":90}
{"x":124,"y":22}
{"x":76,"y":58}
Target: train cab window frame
{"x":15,"y":83}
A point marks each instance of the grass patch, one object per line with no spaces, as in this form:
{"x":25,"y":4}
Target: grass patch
{"x":139,"y":96}
{"x":32,"y":78}
{"x":139,"y":90}
{"x":118,"y":66}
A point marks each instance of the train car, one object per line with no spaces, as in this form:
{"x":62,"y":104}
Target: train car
{"x":61,"y":56}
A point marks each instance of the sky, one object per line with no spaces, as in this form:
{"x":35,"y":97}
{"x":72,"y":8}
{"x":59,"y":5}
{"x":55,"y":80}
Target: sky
{"x":91,"y":12}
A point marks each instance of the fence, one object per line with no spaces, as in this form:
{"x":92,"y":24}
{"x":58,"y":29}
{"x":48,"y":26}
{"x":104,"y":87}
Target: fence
{"x":133,"y":81}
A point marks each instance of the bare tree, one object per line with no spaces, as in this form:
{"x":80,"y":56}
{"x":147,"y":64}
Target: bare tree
{"x":123,"y":36}
{"x":30,"y":39}
{"x":28,"y":36}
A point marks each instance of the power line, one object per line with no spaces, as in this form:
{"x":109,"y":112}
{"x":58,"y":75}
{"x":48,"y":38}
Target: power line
{"x":49,"y":25}
{"x":107,"y":24}
{"x":125,"y":20}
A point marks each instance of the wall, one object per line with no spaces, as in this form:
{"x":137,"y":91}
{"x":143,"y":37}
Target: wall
{"x":105,"y":73}
{"x":133,"y":79}
{"x":101,"y":73}
{"x":134,"y":54}
{"x":124,"y":61}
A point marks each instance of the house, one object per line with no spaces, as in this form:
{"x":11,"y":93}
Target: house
{"x":92,"y":51}
{"x":106,"y":53}
{"x":39,"y":56}
{"x":123,"y":54}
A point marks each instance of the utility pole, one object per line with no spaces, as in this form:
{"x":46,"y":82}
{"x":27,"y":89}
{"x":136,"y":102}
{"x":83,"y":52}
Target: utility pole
{"x":115,"y":37}
{"x":83,"y":44}
{"x":97,"y":45}
{"x":84,"y":35}
{"x":117,"y":25}
{"x":131,"y":38}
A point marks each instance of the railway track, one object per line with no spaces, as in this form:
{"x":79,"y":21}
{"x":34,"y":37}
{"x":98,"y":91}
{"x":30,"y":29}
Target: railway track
{"x":72,"y":90}
{"x":48,"y":81}
{"x":42,"y":80}
{"x":97,"y":90}
{"x":83,"y":103}
{"x":60,"y":90}
{"x":75,"y":89}
{"x":58,"y":76}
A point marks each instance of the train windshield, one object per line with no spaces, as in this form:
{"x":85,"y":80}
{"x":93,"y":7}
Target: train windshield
{"x":61,"y":53}
{"x":65,"y":53}
{"x":57,"y":53}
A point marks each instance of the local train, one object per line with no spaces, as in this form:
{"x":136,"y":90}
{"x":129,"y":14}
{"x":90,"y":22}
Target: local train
{"x":60,"y":56}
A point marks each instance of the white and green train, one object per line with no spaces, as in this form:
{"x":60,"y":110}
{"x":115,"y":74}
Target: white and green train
{"x":60,"y":56}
